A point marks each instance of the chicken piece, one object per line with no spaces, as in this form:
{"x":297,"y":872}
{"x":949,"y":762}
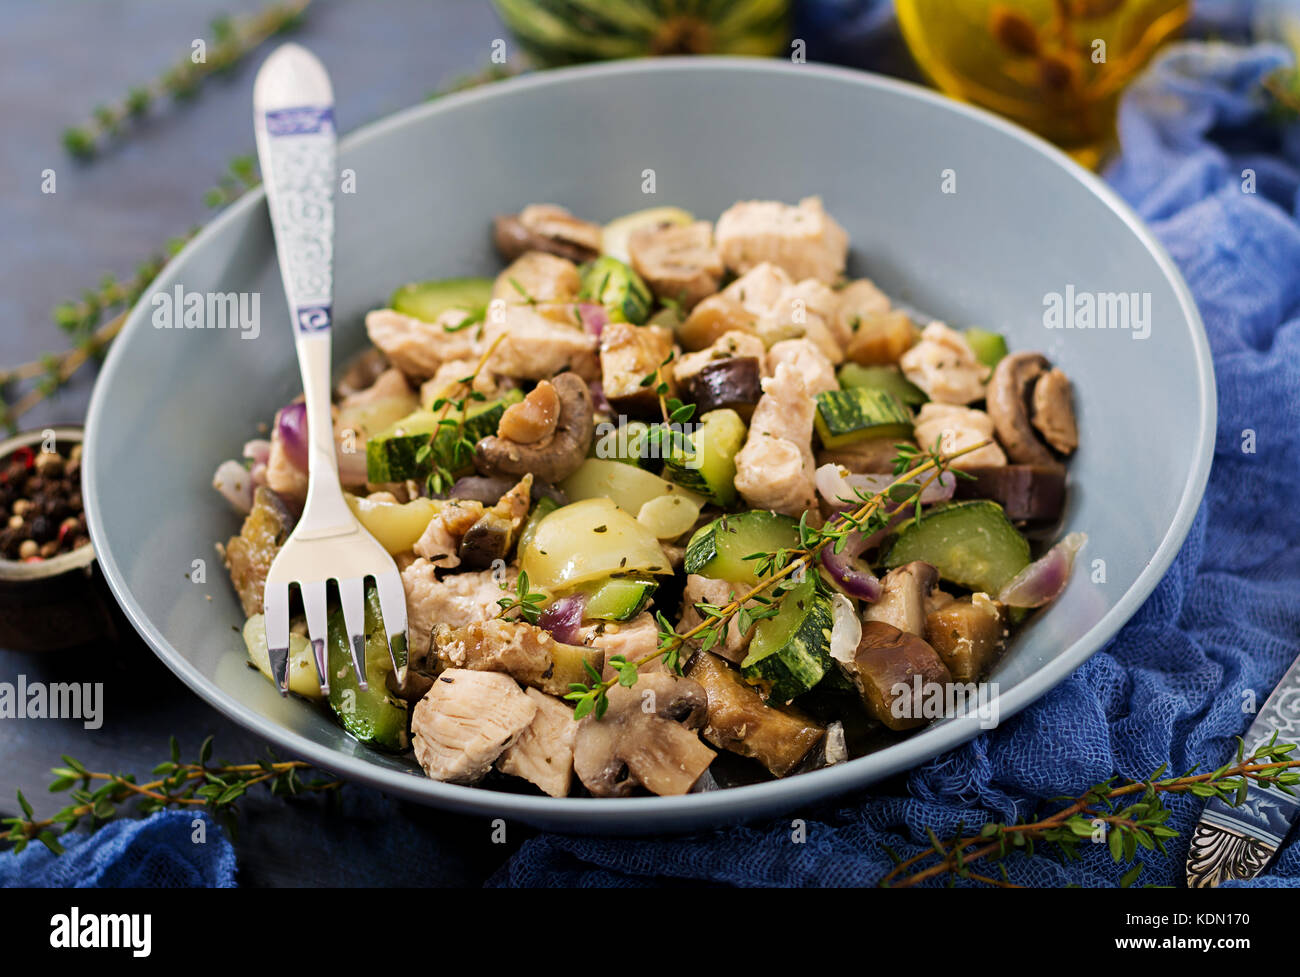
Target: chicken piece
{"x":457,"y":600}
{"x":440,"y":541}
{"x":677,"y":261}
{"x":537,"y":277}
{"x":543,"y":752}
{"x":537,"y":346}
{"x":730,"y":345}
{"x":445,"y":382}
{"x":525,"y":652}
{"x":786,"y":309}
{"x":944,"y":366}
{"x":859,"y":300}
{"x":803,"y":240}
{"x":416,"y":347}
{"x":759,"y":289}
{"x":720,"y":593}
{"x":466,"y":721}
{"x":805,"y":356}
{"x":389,"y":385}
{"x":283,"y":477}
{"x":956,"y":428}
{"x":774,"y":470}
{"x":805,"y":309}
{"x":717,"y":316}
{"x":629,"y":354}
{"x":632,"y":639}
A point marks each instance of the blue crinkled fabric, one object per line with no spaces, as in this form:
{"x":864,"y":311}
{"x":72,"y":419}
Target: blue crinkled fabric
{"x":1223,"y":623}
{"x":159,"y":851}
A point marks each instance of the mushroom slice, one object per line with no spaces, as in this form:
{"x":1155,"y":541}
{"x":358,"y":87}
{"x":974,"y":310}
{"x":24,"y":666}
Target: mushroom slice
{"x":646,"y":738}
{"x":891,"y":670}
{"x":902,"y":603}
{"x":1053,"y":414}
{"x":523,"y":651}
{"x":678,"y":261}
{"x":549,"y":228}
{"x":543,"y":753}
{"x":465,"y":721}
{"x":1008,"y":404}
{"x":741,"y":722}
{"x":553,"y":458}
{"x":967,"y":634}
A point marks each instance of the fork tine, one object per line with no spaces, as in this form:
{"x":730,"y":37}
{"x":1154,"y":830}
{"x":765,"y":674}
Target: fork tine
{"x":317,"y":611}
{"x":275,"y":602}
{"x":392,"y":603}
{"x":352,"y":597}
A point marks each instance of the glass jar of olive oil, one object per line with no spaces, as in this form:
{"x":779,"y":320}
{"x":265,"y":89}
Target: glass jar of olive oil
{"x":1055,"y":66}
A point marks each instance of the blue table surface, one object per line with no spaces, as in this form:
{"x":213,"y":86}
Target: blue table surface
{"x":58,"y":60}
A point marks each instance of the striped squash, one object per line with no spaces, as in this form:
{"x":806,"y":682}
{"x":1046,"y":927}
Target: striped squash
{"x":558,"y":32}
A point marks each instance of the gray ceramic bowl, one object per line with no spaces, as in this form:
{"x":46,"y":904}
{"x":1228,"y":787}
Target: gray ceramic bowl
{"x":1023,"y":222}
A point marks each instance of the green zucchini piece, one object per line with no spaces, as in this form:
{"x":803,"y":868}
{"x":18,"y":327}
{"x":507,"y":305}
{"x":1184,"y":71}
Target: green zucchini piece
{"x":627,"y":443}
{"x":618,"y":598}
{"x":397,"y":454}
{"x":718,"y":550}
{"x":988,"y":346}
{"x":541,"y":508}
{"x":858,"y":413}
{"x":886,"y":378}
{"x":617,"y":287}
{"x":708,"y":466}
{"x":373,"y":715}
{"x":791,"y":652}
{"x":972,"y":544}
{"x":429,"y":300}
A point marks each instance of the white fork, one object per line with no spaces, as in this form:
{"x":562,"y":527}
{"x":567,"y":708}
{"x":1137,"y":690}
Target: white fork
{"x":293,"y":115}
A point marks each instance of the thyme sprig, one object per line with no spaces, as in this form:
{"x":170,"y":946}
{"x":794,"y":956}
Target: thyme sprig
{"x":667,"y":436}
{"x":232,"y":40}
{"x":216,"y":788}
{"x":527,"y":603}
{"x":1100,"y":814}
{"x":457,"y":454}
{"x":775,"y":569}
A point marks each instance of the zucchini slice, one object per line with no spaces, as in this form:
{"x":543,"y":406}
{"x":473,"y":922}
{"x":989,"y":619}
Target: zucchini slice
{"x":972,"y":544}
{"x":373,"y":715}
{"x":709,"y":465}
{"x":396,"y":454}
{"x":429,"y":300}
{"x":886,"y":378}
{"x":791,"y":652}
{"x":859,"y":413}
{"x":718,"y":550}
{"x":988,"y":347}
{"x":618,"y":288}
{"x":618,"y":598}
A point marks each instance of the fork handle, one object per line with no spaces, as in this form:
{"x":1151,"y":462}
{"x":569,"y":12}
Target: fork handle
{"x":293,"y":114}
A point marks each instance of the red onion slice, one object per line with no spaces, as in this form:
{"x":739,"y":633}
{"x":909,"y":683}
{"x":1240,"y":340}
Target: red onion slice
{"x":594,"y":317}
{"x":291,"y":428}
{"x":563,"y":618}
{"x":258,"y":451}
{"x":844,"y":490}
{"x":849,"y":573}
{"x":1043,"y":580}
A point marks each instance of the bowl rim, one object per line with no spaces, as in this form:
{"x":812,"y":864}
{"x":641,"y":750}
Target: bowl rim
{"x":735,"y":803}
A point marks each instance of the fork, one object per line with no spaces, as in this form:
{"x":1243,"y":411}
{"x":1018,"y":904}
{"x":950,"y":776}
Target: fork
{"x":293,"y":115}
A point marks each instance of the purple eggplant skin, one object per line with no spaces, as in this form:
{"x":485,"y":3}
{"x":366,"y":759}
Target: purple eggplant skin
{"x":1028,"y":493}
{"x":887,"y":659}
{"x":733,"y":382}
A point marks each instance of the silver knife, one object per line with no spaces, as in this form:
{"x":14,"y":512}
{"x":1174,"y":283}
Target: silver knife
{"x":1239,"y":842}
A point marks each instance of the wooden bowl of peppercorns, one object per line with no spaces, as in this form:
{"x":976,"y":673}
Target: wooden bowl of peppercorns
{"x":51,"y":594}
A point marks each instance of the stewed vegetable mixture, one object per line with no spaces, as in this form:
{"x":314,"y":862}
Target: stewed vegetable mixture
{"x":676,"y":505}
